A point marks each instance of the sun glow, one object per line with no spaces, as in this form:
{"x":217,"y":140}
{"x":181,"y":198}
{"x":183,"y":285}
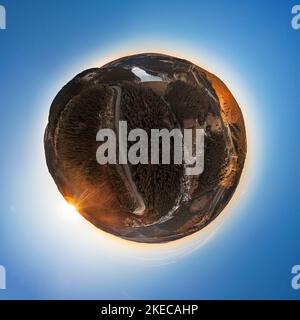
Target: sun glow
{"x":68,"y":210}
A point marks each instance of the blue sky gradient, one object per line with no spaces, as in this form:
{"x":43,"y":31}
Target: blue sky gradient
{"x":250,"y":255}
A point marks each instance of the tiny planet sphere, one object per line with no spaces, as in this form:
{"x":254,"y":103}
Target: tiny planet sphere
{"x":149,"y":203}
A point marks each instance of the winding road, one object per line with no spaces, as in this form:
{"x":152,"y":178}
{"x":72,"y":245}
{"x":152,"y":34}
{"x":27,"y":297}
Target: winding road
{"x":125,"y":172}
